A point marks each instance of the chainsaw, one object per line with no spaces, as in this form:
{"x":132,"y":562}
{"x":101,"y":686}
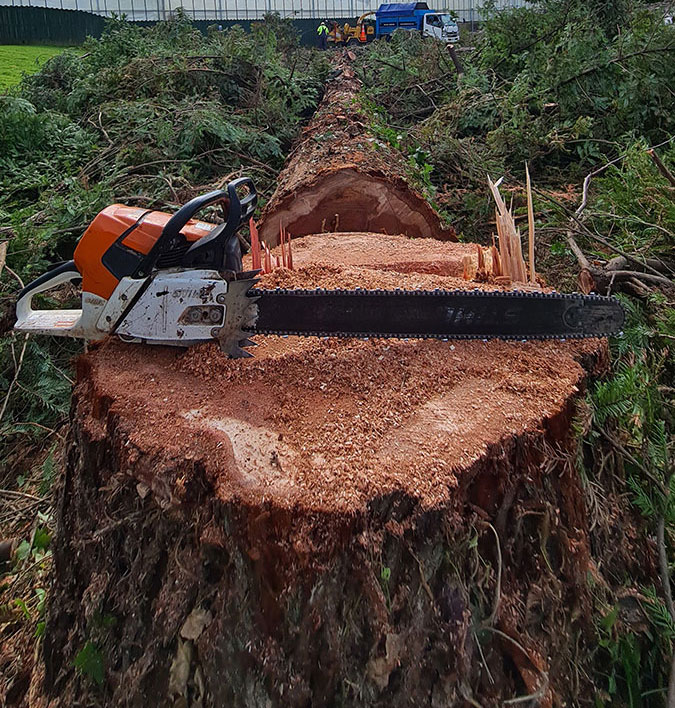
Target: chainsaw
{"x":168,"y":279}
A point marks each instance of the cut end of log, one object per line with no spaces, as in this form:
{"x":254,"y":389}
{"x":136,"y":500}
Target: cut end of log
{"x":350,"y":199}
{"x":341,"y":177}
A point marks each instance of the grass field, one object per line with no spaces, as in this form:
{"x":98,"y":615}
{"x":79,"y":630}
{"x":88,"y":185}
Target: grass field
{"x":17,"y":59}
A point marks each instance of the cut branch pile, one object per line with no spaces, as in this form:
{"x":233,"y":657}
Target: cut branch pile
{"x":635,"y":274}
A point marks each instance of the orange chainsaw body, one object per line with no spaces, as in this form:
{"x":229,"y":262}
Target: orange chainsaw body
{"x":127,"y":228}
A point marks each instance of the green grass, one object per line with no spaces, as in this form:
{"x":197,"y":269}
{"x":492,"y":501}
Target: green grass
{"x":15,"y":60}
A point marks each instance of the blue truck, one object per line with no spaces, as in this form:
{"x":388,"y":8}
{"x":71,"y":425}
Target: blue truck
{"x":415,"y":16}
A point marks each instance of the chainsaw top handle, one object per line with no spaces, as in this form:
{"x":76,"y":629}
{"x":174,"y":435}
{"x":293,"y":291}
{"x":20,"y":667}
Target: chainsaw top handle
{"x":212,"y":249}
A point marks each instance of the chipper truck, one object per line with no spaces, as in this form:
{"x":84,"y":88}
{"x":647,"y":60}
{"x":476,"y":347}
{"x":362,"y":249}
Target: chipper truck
{"x":415,"y":16}
{"x":412,"y":16}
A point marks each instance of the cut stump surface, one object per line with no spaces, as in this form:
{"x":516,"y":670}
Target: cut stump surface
{"x":330,"y":425}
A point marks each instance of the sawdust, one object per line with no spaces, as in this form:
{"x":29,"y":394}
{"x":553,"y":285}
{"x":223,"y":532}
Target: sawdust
{"x":349,"y":277}
{"x":332,"y":424}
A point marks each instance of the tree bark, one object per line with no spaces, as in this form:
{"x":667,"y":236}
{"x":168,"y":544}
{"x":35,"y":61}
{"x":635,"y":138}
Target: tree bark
{"x":342,"y":176}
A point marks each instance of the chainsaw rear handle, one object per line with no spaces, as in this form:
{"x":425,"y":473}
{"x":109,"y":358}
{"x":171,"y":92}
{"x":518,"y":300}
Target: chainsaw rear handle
{"x":238,"y":212}
{"x":220,"y":249}
{"x":58,"y":275}
{"x":241,"y":210}
{"x":61,"y":273}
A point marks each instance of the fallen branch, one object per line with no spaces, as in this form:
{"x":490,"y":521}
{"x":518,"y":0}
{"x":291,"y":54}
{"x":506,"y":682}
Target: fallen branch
{"x":530,"y":226}
{"x":14,"y":380}
{"x":616,"y":60}
{"x":663,"y":565}
{"x":498,"y":589}
{"x":671,"y":684}
{"x":665,"y":570}
{"x":661,"y":167}
{"x":645,"y":263}
{"x":649,"y":277}
{"x":455,"y":60}
{"x":579,"y":254}
{"x":16,"y":276}
{"x":388,"y":63}
{"x":621,"y":449}
{"x":592,"y":277}
{"x":543,"y":685}
{"x":3,"y":254}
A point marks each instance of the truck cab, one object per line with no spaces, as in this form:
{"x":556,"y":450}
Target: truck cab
{"x":441,"y":26}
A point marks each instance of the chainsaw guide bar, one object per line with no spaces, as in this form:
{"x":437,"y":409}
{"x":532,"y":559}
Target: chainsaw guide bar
{"x":437,"y":314}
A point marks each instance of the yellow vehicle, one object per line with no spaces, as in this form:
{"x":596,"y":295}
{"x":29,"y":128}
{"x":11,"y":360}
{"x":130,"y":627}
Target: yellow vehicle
{"x":346,"y":34}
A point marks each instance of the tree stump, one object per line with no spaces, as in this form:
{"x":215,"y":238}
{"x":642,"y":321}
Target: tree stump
{"x":342,"y":177}
{"x":333,"y":522}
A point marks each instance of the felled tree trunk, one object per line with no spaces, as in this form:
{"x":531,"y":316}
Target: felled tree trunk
{"x":342,"y":177}
{"x":341,"y":522}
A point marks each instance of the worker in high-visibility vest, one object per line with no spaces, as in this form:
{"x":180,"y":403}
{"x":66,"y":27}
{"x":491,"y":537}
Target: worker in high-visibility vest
{"x":323,"y":35}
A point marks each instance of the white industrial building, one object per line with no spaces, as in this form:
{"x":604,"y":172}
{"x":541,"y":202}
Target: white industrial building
{"x":465,"y":10}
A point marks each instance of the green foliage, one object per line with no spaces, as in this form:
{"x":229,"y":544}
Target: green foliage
{"x":623,"y":677}
{"x":566,"y":92}
{"x":89,"y":662}
{"x":634,"y":201}
{"x":276,"y":33}
{"x":48,"y":473}
{"x":563,"y":84}
{"x":407,"y":76}
{"x":22,"y":551}
{"x":36,"y":551}
{"x":633,"y":408}
{"x":21,"y":605}
{"x":385,"y":579}
{"x":630,"y":661}
{"x":41,"y":539}
{"x":45,"y":395}
{"x":659,"y":617}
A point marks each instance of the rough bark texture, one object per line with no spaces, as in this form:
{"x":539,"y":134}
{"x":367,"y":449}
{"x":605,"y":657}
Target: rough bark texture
{"x":331,"y":523}
{"x":341,"y":177}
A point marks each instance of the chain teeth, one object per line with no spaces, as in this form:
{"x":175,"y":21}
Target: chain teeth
{"x":446,"y":337}
{"x":397,"y":292}
{"x":258,"y":292}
